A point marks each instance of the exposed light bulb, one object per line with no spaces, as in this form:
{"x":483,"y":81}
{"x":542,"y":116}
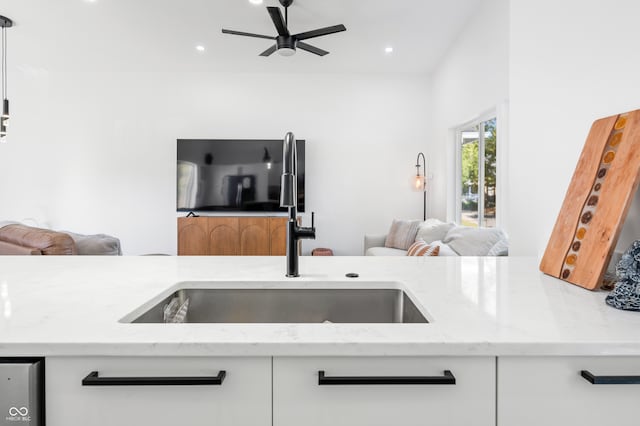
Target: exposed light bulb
{"x":388,"y":49}
{"x":255,"y":1}
{"x":200,"y":48}
{"x":419,"y":183}
{"x":269,"y":165}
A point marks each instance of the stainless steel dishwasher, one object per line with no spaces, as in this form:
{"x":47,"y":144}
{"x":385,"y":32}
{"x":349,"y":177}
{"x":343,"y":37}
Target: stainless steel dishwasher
{"x":22,"y":392}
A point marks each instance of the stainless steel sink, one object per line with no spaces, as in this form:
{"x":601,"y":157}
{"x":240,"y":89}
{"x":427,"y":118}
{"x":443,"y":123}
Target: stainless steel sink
{"x":287,"y":305}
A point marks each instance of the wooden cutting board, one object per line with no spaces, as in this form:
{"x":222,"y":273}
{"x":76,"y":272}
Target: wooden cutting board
{"x":597,"y":201}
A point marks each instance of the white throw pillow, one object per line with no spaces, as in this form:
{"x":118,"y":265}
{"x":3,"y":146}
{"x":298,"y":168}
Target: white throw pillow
{"x":445,"y":250}
{"x":469,"y":241}
{"x":430,"y":231}
{"x":501,"y":248}
{"x":432,"y":221}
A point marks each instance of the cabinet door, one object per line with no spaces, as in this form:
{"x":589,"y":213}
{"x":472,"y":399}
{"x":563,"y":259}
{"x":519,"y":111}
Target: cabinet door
{"x":243,"y":398}
{"x":223,"y":236}
{"x":278,"y":230}
{"x":254,"y":236}
{"x":193,"y":236}
{"x":299,"y":399}
{"x":551,"y":391}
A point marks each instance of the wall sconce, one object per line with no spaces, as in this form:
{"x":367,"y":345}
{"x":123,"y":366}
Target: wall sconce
{"x":4,"y":118}
{"x":420,"y":182}
{"x":267,"y":158}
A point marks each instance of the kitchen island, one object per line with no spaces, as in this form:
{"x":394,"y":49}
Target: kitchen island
{"x":514,"y":339}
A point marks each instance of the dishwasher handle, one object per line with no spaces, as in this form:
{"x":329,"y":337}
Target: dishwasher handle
{"x":94,"y":379}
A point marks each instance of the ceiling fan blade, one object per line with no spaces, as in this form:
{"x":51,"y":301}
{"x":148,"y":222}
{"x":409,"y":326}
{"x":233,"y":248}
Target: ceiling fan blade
{"x":270,"y":50}
{"x":240,"y":33}
{"x":320,"y":32}
{"x":312,"y":49}
{"x":278,"y":21}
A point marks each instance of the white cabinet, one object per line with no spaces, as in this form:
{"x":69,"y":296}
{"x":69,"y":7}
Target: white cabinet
{"x":551,"y":391}
{"x":299,"y":399}
{"x":351,"y":391}
{"x":243,"y":398}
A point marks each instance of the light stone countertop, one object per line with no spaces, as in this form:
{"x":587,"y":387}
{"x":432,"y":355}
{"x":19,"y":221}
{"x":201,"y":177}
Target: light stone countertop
{"x":72,"y":305}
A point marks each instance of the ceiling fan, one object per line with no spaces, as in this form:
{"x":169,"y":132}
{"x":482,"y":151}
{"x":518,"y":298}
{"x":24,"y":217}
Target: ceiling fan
{"x":286,"y":43}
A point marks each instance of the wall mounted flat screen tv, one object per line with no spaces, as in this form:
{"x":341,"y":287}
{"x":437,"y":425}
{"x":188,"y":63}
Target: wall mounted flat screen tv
{"x":226,"y":175}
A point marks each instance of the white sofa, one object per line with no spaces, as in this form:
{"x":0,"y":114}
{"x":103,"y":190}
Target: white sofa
{"x":453,"y":240}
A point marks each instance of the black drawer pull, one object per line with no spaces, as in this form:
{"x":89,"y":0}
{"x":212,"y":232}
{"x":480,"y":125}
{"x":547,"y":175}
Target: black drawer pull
{"x":446,"y":379}
{"x":610,"y":380}
{"x":93,"y":379}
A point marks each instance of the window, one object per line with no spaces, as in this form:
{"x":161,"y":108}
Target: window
{"x":476,"y":197}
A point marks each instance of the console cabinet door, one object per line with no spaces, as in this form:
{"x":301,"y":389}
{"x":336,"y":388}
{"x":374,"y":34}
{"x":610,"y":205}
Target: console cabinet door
{"x":534,"y":391}
{"x":224,"y":237}
{"x":298,"y":399}
{"x":254,"y":236}
{"x":244,"y":398}
{"x":193,"y":236}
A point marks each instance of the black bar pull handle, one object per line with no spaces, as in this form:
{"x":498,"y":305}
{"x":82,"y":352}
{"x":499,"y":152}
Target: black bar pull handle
{"x":610,"y":380}
{"x":94,"y":379}
{"x":446,"y":379}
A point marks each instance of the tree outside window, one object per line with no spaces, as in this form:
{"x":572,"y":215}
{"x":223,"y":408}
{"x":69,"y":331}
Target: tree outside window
{"x":477,"y":199}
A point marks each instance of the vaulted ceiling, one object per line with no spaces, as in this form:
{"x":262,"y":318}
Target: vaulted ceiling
{"x":162,"y":35}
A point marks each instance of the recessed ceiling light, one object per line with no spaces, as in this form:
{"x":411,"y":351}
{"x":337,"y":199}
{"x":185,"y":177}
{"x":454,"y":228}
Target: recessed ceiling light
{"x":388,"y":49}
{"x":255,"y":1}
{"x":200,"y":48}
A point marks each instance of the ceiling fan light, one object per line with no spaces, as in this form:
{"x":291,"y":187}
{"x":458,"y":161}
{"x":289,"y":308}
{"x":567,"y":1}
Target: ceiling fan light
{"x":286,"y":51}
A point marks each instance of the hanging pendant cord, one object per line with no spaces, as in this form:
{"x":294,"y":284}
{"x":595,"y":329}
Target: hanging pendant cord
{"x":4,"y":62}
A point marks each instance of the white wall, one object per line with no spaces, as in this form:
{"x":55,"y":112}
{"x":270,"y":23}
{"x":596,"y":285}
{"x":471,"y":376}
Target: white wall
{"x":95,"y":152}
{"x":571,"y":62}
{"x":471,"y":79}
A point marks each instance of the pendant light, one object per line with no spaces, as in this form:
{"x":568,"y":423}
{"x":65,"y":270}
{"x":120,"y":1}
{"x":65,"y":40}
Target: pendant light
{"x":4,"y":118}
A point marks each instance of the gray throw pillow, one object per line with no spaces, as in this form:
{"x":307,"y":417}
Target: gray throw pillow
{"x":469,"y":241}
{"x":402,"y":234}
{"x":96,"y":245}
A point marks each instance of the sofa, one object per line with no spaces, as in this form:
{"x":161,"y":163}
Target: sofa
{"x":450,"y":238}
{"x":20,"y":239}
